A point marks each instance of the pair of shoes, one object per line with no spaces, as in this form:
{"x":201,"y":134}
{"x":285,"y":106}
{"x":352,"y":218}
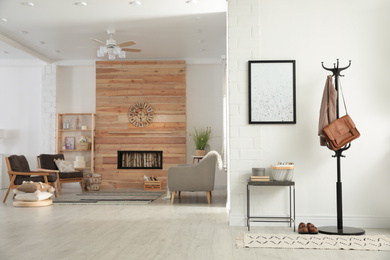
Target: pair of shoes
{"x":312,"y":228}
{"x":307,"y":229}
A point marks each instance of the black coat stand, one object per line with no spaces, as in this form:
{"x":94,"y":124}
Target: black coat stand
{"x":339,"y":229}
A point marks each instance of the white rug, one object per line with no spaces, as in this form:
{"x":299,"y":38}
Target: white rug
{"x":320,"y":241}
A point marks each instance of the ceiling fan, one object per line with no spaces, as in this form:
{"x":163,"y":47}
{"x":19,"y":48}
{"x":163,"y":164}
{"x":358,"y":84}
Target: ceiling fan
{"x":112,"y":48}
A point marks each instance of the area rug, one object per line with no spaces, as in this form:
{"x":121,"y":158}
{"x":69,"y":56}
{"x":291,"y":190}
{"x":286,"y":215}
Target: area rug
{"x":320,"y":241}
{"x":110,"y":198}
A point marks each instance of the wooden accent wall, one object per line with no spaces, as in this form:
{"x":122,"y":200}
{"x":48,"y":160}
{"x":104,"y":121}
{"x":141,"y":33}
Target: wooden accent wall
{"x":121,"y":84}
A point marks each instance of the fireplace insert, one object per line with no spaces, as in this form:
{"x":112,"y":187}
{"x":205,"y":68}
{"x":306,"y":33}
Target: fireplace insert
{"x":140,"y":159}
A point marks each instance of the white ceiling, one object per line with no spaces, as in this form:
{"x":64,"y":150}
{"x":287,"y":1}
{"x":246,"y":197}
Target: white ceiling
{"x":163,"y":29}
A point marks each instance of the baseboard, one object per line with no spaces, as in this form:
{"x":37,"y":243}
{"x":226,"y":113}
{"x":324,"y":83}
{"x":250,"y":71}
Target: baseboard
{"x":350,"y":221}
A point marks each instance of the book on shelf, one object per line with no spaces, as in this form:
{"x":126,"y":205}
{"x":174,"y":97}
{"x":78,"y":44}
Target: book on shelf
{"x":260,"y":178}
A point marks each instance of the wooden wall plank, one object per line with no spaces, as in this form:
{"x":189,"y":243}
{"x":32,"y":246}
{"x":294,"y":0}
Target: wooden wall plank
{"x":121,"y":84}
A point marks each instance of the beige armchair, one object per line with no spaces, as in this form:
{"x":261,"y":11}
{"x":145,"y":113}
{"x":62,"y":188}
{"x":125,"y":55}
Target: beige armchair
{"x":198,"y":177}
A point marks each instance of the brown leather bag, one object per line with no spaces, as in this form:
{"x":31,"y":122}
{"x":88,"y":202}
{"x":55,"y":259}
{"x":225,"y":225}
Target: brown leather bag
{"x":340,"y":132}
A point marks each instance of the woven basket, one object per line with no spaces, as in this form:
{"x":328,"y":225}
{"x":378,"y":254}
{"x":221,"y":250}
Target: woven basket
{"x":83,"y":146}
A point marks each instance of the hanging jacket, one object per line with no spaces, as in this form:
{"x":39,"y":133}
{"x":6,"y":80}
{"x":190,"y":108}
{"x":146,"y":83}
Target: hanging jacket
{"x":328,"y":110}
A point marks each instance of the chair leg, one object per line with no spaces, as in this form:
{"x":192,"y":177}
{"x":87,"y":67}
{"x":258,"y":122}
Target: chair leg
{"x":179,"y":194}
{"x":173,"y":197}
{"x":55,"y":190}
{"x":11,"y":183}
{"x":208,"y":196}
{"x":81,"y":185}
{"x":6,"y":195}
{"x":59,"y":184}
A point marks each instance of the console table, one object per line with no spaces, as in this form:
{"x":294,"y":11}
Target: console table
{"x":291,"y":217}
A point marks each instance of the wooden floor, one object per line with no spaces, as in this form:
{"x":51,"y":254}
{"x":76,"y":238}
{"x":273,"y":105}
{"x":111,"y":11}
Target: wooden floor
{"x":190,"y":229}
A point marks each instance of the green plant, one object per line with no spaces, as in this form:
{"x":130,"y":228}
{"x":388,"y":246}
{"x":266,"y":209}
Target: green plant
{"x":201,"y":137}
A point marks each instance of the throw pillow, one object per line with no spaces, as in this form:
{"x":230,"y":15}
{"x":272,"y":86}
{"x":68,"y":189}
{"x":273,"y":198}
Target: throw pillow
{"x":64,"y":166}
{"x":31,"y":187}
{"x":36,"y":196}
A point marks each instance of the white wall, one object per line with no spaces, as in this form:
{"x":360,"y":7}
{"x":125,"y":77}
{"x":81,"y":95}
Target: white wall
{"x":311,"y":32}
{"x":205,"y":108}
{"x":76,"y":89}
{"x":20,"y":106}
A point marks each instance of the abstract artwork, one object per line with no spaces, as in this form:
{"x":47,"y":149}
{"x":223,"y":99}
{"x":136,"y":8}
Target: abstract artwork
{"x":272,"y":92}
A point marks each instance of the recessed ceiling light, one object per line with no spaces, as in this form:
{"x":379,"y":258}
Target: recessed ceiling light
{"x":191,"y":2}
{"x":81,"y":3}
{"x":135,"y":3}
{"x":3,"y":20}
{"x":30,"y":4}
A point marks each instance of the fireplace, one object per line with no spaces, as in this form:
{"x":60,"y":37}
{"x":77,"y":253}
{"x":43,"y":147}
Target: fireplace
{"x":140,"y":159}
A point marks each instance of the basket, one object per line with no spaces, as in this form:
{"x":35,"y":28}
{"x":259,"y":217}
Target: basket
{"x":92,"y":183}
{"x":83,"y":146}
{"x":282,"y":172}
{"x":152,"y":185}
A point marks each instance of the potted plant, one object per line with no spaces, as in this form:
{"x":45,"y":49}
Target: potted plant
{"x":201,"y":137}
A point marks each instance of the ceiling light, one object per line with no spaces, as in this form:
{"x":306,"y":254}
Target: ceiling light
{"x":191,"y":2}
{"x":137,"y":3}
{"x":81,"y":3}
{"x":30,"y":4}
{"x":3,"y":20}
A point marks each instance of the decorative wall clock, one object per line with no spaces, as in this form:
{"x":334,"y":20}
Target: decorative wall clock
{"x":141,"y":114}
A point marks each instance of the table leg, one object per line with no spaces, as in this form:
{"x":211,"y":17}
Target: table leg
{"x":289,"y":198}
{"x":294,"y":204}
{"x":247,"y":207}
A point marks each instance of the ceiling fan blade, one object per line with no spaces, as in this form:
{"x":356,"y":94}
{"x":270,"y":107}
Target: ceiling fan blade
{"x":125,"y":44}
{"x":131,"y":50}
{"x":96,"y":40}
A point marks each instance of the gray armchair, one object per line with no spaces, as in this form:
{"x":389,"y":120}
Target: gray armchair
{"x":199,"y":177}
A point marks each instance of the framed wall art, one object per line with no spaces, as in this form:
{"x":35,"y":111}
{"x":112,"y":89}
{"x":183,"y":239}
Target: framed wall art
{"x":272,"y":92}
{"x":69,"y":143}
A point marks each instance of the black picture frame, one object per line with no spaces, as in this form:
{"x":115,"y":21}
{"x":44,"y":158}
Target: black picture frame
{"x":272,"y":97}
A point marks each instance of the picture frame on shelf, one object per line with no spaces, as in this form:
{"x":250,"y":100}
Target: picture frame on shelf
{"x":272,"y":92}
{"x":69,"y":143}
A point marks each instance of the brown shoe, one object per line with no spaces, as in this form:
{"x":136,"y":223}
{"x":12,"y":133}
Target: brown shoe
{"x":302,"y":229}
{"x":312,"y":228}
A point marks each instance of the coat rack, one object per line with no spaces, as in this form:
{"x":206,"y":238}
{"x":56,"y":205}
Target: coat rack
{"x":339,"y":229}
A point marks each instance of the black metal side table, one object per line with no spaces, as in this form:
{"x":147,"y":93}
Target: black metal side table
{"x":291,"y":217}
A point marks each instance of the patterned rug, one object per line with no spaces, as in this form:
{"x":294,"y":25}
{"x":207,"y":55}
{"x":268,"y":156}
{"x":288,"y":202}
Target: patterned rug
{"x":109,"y":198}
{"x":320,"y":241}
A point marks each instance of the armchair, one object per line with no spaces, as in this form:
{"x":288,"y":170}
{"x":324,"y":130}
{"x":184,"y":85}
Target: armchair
{"x":19,"y":171}
{"x":199,"y":177}
{"x":46,"y":163}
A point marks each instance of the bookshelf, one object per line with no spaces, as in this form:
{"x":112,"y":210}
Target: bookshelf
{"x":72,"y":127}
